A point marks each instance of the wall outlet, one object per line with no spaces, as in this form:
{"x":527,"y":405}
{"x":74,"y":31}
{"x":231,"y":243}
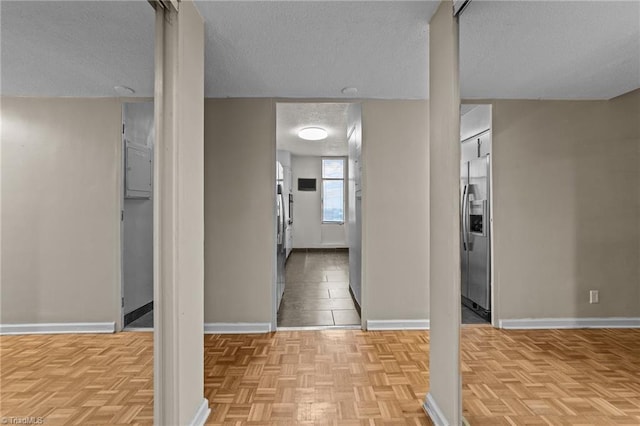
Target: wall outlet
{"x":594,"y":296}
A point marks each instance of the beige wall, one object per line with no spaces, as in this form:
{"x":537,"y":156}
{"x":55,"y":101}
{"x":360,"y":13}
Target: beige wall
{"x":60,"y":210}
{"x":566,"y":207}
{"x":179,"y":217}
{"x":395,"y":249}
{"x":444,"y":400}
{"x":239,"y":209}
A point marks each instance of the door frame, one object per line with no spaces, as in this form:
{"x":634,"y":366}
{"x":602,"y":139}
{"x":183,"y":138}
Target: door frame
{"x":274,"y":260}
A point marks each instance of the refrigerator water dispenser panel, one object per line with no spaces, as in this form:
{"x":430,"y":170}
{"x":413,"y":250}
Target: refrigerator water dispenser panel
{"x":477,"y":217}
{"x":476,"y":224}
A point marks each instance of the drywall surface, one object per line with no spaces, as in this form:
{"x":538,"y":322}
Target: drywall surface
{"x":179,"y":220}
{"x":240,"y":158}
{"x":395,"y":210}
{"x":60,"y":210}
{"x":309,"y":231}
{"x":444,"y":395}
{"x":566,"y":207}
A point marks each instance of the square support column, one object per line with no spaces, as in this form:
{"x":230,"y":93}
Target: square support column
{"x":179,"y":216}
{"x":444,"y":402}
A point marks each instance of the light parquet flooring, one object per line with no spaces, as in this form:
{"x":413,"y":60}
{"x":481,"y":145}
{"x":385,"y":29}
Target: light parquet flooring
{"x":345,"y":377}
{"x":78,"y":379}
{"x":551,"y":377}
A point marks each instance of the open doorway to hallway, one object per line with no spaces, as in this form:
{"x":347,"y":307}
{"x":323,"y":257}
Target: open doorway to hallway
{"x":476,"y":212}
{"x":137,"y":215}
{"x":318,"y":214}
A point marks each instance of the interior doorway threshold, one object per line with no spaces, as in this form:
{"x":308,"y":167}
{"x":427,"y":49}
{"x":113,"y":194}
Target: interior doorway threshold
{"x":320,"y":328}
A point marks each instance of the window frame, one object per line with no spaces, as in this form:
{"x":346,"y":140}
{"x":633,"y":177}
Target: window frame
{"x":344,"y":189}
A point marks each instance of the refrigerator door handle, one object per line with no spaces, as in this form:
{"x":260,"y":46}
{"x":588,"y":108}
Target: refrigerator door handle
{"x":467,"y":222}
{"x":464,"y":217}
{"x":282,"y":223}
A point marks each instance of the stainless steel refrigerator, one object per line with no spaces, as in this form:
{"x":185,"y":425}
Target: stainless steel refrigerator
{"x":281,"y":250}
{"x":475,"y":244}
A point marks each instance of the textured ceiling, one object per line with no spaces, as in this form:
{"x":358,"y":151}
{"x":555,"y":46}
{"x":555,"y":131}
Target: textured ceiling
{"x":316,"y":48}
{"x":313,"y":49}
{"x":291,"y":117}
{"x":549,"y":49}
{"x":76,"y":48}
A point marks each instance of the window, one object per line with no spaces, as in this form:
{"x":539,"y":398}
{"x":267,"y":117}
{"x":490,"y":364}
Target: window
{"x":333,"y":190}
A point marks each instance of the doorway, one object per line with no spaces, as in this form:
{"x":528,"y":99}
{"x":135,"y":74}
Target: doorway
{"x":476,"y":214}
{"x":137,"y":215}
{"x":318,"y":235}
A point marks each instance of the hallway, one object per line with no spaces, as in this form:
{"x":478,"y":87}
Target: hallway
{"x":317,"y":290}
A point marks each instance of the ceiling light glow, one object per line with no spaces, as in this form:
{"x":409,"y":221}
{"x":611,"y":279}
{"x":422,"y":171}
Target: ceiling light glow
{"x":313,"y":134}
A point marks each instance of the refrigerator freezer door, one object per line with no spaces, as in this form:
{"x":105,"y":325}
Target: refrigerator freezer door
{"x":280,"y":248}
{"x":464,"y":256}
{"x":478,"y":236}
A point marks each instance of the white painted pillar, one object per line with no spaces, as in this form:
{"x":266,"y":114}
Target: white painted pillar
{"x":444,"y":402}
{"x":179,"y":216}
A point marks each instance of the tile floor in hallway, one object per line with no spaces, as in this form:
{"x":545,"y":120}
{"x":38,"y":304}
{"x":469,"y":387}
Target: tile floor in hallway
{"x":470,"y":317}
{"x":317,"y":290}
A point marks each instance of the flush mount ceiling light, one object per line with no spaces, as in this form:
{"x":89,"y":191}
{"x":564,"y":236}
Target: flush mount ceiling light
{"x":313,"y":134}
{"x":124,"y":90}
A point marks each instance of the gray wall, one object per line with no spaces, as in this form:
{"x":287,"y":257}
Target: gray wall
{"x":240,"y":155}
{"x":239,"y":209}
{"x":395,"y":210}
{"x":309,"y":231}
{"x":578,"y":161}
{"x":60,"y":210}
{"x":566,"y":207}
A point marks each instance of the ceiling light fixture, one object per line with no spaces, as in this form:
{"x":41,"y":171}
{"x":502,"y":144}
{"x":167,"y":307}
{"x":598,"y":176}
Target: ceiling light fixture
{"x":124,"y":90}
{"x":313,"y":134}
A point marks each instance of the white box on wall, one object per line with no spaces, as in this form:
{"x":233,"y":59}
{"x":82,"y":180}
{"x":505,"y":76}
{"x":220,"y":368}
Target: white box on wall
{"x":138,"y":171}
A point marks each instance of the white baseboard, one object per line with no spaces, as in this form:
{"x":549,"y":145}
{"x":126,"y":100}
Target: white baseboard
{"x":58,"y":328}
{"x":549,"y":323}
{"x":322,"y":246}
{"x":237,"y":327}
{"x":434,"y":412}
{"x":373,"y":325}
{"x":202,"y":414}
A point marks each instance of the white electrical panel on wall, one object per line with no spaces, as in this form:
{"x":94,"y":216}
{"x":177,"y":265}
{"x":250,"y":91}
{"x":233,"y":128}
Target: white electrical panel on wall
{"x":138,"y":171}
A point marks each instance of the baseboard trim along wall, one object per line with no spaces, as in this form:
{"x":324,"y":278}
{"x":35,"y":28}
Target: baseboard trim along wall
{"x":322,"y":248}
{"x":433,"y":411}
{"x":237,"y":327}
{"x":58,"y":328}
{"x":373,"y":325}
{"x":202,"y":414}
{"x":546,"y":323}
